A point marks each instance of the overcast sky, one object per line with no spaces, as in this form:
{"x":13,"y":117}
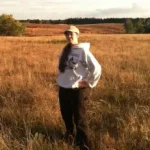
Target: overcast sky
{"x":63,"y":9}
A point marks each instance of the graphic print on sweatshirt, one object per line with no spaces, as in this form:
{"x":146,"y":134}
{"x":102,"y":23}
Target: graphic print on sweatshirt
{"x":72,"y":62}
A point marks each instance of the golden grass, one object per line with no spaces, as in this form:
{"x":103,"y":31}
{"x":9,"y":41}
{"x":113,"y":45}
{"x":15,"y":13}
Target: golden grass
{"x":118,"y":111}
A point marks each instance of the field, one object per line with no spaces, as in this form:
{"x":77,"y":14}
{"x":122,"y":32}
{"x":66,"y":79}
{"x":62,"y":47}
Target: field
{"x":119,"y":107}
{"x":49,"y":30}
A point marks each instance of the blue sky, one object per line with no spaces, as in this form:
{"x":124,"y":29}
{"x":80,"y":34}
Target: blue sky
{"x":63,"y":9}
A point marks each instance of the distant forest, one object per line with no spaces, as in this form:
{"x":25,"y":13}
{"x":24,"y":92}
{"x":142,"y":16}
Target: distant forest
{"x":76,"y":21}
{"x":81,"y":20}
{"x":132,"y":25}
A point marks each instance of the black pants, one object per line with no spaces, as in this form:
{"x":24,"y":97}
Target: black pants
{"x":73,"y":109}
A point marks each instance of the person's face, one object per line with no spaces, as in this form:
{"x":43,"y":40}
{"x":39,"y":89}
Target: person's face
{"x":72,"y":37}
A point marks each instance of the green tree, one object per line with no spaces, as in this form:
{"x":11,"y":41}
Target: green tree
{"x":139,"y":26}
{"x":147,"y":26}
{"x":129,"y":27}
{"x":10,"y":26}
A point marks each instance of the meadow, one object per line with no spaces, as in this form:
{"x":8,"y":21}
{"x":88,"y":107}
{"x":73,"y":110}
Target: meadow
{"x":118,"y":109}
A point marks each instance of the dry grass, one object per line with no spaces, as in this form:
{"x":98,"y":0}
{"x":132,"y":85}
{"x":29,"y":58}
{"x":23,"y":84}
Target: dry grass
{"x":118,"y":111}
{"x":48,"y":29}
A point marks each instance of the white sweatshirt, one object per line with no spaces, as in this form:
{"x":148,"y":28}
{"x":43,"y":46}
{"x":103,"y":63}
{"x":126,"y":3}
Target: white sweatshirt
{"x":81,"y":66}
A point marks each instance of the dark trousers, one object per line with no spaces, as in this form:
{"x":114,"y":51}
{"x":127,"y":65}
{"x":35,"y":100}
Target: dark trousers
{"x":73,"y":109}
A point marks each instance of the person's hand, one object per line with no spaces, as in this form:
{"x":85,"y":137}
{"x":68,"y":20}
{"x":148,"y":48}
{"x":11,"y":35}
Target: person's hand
{"x":83,"y":84}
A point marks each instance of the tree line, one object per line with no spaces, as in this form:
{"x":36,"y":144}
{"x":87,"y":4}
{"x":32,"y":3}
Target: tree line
{"x":76,"y":21}
{"x":132,"y":25}
{"x":138,"y":25}
{"x":10,"y":26}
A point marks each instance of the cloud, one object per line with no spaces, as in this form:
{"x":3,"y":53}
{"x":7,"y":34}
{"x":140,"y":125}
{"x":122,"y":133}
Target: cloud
{"x":133,"y":11}
{"x":122,"y":12}
{"x":9,"y":3}
{"x":62,"y":9}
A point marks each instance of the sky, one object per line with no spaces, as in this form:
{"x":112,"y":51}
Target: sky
{"x":63,"y":9}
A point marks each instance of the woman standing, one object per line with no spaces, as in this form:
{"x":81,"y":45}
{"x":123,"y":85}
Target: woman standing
{"x":78,"y":72}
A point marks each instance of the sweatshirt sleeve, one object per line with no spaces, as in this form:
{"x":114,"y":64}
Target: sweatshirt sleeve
{"x":59,"y":57}
{"x":94,"y":70}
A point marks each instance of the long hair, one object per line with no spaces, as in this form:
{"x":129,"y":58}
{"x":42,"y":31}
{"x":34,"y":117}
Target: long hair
{"x":64,"y":57}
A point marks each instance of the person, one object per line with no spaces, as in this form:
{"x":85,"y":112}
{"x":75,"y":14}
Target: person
{"x":79,"y":71}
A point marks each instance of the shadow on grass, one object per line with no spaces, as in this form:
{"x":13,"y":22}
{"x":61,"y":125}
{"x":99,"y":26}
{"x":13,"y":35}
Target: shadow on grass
{"x":50,"y":132}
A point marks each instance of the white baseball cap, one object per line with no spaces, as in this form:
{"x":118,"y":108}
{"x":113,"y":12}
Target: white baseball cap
{"x":72,"y":29}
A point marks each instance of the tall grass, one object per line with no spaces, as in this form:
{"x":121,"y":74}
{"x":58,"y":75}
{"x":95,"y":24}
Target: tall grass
{"x":119,"y":107}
